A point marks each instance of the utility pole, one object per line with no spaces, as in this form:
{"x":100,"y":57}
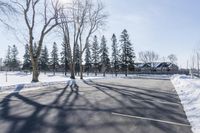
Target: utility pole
{"x":198,"y":63}
{"x":0,"y":64}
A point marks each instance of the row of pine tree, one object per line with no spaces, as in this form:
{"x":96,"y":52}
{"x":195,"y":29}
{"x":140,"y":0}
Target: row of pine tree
{"x":96,"y":56}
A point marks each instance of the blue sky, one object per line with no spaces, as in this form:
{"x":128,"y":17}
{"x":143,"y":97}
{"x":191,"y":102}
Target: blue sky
{"x":164,"y":26}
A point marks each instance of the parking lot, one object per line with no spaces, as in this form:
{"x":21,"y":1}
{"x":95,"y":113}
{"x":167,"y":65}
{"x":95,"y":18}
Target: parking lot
{"x":115,"y":105}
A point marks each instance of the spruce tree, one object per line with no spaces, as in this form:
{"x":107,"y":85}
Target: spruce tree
{"x":44,"y":59}
{"x":95,"y":54}
{"x":64,"y":57}
{"x":115,"y":54}
{"x":88,"y":59}
{"x":15,"y":64}
{"x":27,"y":59}
{"x":104,"y":55}
{"x":54,"y":57}
{"x":7,"y":61}
{"x":127,"y":55}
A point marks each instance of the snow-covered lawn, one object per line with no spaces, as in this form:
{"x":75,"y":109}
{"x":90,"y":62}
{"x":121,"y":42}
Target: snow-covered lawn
{"x":188,"y":90}
{"x":16,"y":80}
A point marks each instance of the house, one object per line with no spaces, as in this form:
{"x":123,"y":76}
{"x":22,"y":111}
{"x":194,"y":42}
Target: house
{"x":167,"y":66}
{"x":156,"y":66}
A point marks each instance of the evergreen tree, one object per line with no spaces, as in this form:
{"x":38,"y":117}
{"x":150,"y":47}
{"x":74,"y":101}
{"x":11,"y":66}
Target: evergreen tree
{"x":7,"y":61}
{"x":54,"y":57}
{"x":88,"y":59}
{"x":115,"y":54}
{"x":27,"y":59}
{"x":44,"y":59}
{"x":105,"y":61}
{"x":15,"y":64}
{"x":127,"y":55}
{"x":95,"y":54}
{"x":64,"y":57}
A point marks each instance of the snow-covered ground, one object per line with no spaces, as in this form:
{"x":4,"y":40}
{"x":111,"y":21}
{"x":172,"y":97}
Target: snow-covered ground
{"x":14,"y":78}
{"x":150,"y":76}
{"x":17,"y":80}
{"x":188,"y":90}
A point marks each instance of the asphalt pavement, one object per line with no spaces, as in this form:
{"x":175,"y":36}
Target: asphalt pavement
{"x":114,"y":105}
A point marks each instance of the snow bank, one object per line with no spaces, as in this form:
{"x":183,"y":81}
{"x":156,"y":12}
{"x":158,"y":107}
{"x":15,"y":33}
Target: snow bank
{"x":188,"y":90}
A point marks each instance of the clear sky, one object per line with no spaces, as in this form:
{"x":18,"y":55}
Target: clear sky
{"x":164,"y":26}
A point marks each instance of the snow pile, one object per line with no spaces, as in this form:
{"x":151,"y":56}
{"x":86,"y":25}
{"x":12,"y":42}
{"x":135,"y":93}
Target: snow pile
{"x":188,"y":90}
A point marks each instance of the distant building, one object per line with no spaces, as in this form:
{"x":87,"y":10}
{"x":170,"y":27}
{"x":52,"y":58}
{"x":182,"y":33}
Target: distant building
{"x":156,"y":66}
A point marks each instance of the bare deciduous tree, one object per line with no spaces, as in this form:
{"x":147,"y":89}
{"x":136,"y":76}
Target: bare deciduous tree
{"x":198,"y":59}
{"x":148,"y":56}
{"x":33,"y":11}
{"x":192,"y":62}
{"x":6,"y":9}
{"x":83,"y":18}
{"x":172,"y":58}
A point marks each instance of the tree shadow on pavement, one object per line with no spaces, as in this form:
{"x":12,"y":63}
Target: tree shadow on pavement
{"x":67,"y":112}
{"x":132,"y":102}
{"x":37,"y":118}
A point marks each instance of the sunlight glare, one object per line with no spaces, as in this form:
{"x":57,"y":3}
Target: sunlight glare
{"x":65,"y":1}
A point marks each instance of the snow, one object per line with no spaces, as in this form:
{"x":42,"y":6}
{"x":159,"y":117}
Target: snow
{"x":14,"y":78}
{"x":151,"y":76}
{"x":188,"y":90}
{"x":18,"y":80}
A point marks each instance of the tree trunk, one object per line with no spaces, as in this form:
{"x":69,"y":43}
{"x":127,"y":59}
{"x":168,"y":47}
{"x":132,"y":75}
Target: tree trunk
{"x":81,"y":71}
{"x":72,"y":66}
{"x":80,"y":57}
{"x":115,"y":71}
{"x":54,"y":71}
{"x":35,"y":70}
{"x":95,"y":70}
{"x":65,"y":68}
{"x":126,"y":73}
{"x":198,"y":64}
{"x":81,"y":65}
{"x":104,"y":70}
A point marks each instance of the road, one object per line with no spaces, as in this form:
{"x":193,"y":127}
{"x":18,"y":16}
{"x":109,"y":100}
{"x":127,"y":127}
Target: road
{"x":100,"y":106}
